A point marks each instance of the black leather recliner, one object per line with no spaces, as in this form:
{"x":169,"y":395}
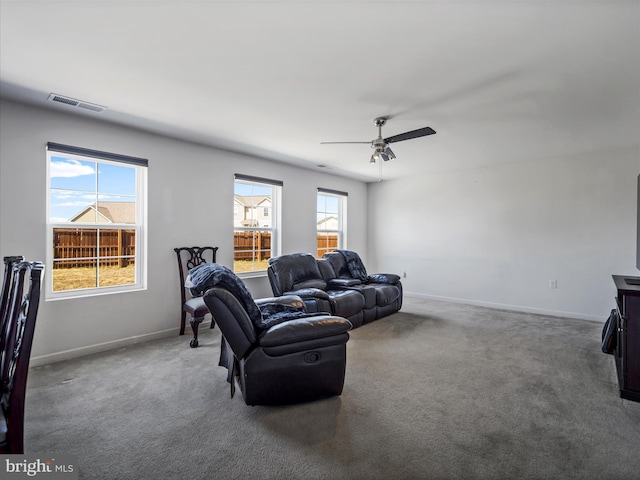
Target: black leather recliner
{"x":277,"y":352}
{"x":299,"y":274}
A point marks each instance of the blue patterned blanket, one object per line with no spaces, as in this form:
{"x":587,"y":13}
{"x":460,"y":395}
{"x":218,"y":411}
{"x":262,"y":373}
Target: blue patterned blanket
{"x":208,"y":275}
{"x":354,"y":264}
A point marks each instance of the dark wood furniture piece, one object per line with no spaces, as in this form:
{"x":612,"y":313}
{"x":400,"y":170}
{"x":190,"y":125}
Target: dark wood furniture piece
{"x":20,"y":299}
{"x":9,"y":262}
{"x":189,"y":257}
{"x":627,"y":351}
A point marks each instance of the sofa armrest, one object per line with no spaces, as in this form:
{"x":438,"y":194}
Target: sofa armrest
{"x":304,"y":329}
{"x":309,"y":293}
{"x":343,"y":282}
{"x":388,"y":278}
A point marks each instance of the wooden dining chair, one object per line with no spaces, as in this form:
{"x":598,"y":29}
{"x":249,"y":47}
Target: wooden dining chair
{"x":189,"y":257}
{"x":9,"y":262}
{"x":19,"y":313}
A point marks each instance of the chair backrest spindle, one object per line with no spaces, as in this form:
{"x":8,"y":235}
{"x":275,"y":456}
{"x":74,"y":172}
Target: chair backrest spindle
{"x":16,"y":339}
{"x":189,"y":257}
{"x":7,"y":282}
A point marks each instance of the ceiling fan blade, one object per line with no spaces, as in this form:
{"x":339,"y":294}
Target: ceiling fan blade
{"x":421,"y":132}
{"x":324,"y":143}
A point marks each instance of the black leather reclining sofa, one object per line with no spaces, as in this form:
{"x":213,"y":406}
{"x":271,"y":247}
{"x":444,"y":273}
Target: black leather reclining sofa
{"x":337,"y":284}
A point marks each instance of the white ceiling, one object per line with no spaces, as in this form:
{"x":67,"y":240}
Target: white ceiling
{"x":500,"y":81}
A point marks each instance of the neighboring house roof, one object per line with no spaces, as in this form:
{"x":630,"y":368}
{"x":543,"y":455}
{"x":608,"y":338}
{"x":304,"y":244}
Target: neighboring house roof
{"x":328,"y":223}
{"x":107,"y":212}
{"x":251,"y":200}
{"x":249,"y":204}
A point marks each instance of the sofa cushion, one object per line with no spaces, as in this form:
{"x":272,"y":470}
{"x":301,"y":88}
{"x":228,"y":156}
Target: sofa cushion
{"x":338,"y":263}
{"x":370,"y":294}
{"x":386,"y":294}
{"x":293,"y":269}
{"x":345,"y":303}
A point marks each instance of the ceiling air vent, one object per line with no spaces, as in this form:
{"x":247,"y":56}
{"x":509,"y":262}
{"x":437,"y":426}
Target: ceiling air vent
{"x":76,"y":103}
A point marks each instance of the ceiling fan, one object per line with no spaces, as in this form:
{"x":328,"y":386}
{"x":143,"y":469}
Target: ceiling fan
{"x":382,"y":144}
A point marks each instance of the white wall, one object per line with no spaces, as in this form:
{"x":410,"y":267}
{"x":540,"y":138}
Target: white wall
{"x":492,"y":236}
{"x":496,"y":236}
{"x":190,"y":203}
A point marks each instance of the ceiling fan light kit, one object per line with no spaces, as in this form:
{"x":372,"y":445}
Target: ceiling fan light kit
{"x":384,"y":153}
{"x":381,"y":145}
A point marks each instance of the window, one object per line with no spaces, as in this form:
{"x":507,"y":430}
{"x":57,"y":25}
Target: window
{"x":330,"y":217}
{"x":95,"y":222}
{"x":255,"y":223}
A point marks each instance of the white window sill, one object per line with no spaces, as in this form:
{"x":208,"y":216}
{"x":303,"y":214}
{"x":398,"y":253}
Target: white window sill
{"x":258,"y":274}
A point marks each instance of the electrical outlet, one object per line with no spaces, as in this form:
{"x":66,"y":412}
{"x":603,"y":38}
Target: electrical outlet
{"x":553,"y":284}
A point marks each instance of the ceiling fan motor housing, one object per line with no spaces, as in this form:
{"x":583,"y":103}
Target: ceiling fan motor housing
{"x":380,"y":121}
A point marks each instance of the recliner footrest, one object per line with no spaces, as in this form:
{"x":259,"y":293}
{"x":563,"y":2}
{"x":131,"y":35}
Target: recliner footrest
{"x":316,"y":343}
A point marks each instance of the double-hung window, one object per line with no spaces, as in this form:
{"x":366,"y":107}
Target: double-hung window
{"x":331,"y":220}
{"x":256,"y":223}
{"x":96,"y":221}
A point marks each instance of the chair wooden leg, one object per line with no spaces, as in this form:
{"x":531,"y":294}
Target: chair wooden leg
{"x":195,"y":324}
{"x":183,"y":321}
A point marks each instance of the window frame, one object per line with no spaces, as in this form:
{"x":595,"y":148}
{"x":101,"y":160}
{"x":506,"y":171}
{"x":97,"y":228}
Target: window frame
{"x":341,"y":230}
{"x":274,"y":217}
{"x":139,"y":226}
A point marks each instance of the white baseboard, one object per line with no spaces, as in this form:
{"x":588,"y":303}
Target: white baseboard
{"x":102,"y":347}
{"x":502,"y":306}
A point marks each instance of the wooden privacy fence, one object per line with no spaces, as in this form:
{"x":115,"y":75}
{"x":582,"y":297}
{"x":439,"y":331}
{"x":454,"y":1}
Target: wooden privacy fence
{"x":78,"y":247}
{"x":326,"y":243}
{"x":245,"y":248}
{"x":252,"y":245}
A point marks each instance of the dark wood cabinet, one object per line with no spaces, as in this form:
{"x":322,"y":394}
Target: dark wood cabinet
{"x":627,"y":352}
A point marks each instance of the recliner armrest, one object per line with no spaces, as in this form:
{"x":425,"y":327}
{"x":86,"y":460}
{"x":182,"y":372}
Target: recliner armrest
{"x":388,"y":278}
{"x":304,"y":329}
{"x":309,"y":293}
{"x":290,"y":300}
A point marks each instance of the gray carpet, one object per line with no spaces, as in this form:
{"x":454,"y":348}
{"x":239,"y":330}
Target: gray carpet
{"x":436,"y":391}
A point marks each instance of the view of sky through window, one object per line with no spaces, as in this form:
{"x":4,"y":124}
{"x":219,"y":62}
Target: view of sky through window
{"x":328,"y":206}
{"x":248,"y":189}
{"x":77,"y":184}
